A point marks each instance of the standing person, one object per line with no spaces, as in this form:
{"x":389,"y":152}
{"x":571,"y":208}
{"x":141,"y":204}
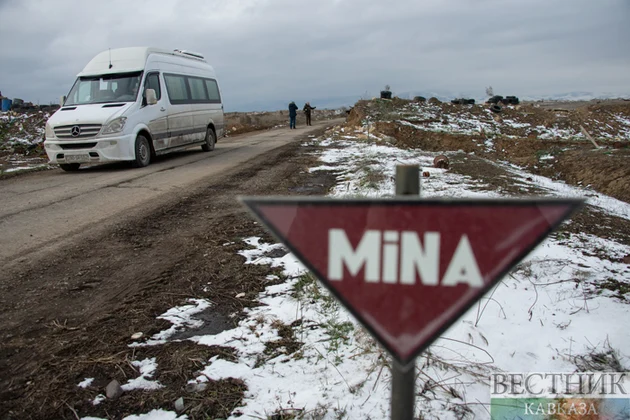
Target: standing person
{"x":307,"y":110}
{"x":292,"y":114}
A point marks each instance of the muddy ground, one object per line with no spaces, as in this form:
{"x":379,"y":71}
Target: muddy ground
{"x":578,"y":162}
{"x":71,"y":317}
{"x":604,"y":170}
{"x":85,"y":303}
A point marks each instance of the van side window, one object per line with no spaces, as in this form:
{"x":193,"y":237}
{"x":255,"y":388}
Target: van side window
{"x":213,"y":90}
{"x":177,"y":89}
{"x":197,"y":89}
{"x":153,"y":82}
{"x":191,"y":89}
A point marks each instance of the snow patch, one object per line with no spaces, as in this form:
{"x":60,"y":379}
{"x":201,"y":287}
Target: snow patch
{"x":147,"y":367}
{"x":181,"y":317}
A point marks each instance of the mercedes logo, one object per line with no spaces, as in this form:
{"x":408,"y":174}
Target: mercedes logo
{"x":76,"y":130}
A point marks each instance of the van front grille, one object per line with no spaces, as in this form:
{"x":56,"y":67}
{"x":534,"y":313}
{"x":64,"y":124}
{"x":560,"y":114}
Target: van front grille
{"x":77,"y":131}
{"x":72,"y":146}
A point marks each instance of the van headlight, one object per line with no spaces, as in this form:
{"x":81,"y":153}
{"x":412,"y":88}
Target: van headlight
{"x":115,"y":126}
{"x":50,"y":133}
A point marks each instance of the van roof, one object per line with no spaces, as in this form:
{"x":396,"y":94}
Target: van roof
{"x":130,"y":59}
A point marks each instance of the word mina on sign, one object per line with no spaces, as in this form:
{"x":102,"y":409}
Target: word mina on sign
{"x":407,"y":269}
{"x":395,"y":257}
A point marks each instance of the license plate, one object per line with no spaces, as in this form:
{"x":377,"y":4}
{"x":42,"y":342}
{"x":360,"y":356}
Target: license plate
{"x":78,"y":158}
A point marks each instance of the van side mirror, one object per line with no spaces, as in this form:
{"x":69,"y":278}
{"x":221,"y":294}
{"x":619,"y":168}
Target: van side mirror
{"x":62,"y":100}
{"x":151,"y":97}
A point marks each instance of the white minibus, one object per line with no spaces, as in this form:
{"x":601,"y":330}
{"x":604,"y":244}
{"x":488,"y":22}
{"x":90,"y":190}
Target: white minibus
{"x":131,"y":104}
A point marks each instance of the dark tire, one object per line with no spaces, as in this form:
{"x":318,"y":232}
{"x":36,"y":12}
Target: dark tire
{"x":70,"y":167}
{"x":143,"y":152}
{"x":211,"y":139}
{"x":495,"y":108}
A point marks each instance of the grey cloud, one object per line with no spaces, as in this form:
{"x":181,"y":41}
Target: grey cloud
{"x":278,"y":50}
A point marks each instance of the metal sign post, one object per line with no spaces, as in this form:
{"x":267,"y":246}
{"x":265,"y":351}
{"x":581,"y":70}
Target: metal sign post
{"x":403,"y":390}
{"x":404,"y":377}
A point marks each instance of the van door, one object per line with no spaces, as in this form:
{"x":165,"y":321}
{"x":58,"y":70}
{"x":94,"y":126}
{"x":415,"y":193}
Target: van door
{"x":180,"y":121}
{"x":216,"y":106}
{"x":200,"y":108}
{"x":156,"y":115}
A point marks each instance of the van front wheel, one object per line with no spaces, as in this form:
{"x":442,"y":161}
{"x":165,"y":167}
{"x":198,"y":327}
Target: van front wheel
{"x":143,"y":152}
{"x":208,"y":146}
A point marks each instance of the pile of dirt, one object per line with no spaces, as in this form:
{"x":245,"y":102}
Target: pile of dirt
{"x":240,"y":122}
{"x":545,"y":141}
{"x":604,"y":170}
{"x":22,"y":133}
{"x":374,"y":110}
{"x":357,"y":114}
{"x":606,"y":123}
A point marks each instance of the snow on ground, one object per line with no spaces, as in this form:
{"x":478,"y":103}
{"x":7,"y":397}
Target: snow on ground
{"x":146,"y":368}
{"x":85,"y":383}
{"x":368,"y":170}
{"x":180,"y":317}
{"x":324,"y":376}
{"x":157,"y":415}
{"x":98,"y":399}
{"x":27,"y":168}
{"x":624,"y":129}
{"x":548,"y":315}
{"x":151,"y":415}
{"x":257,"y":256}
{"x":471,"y":120}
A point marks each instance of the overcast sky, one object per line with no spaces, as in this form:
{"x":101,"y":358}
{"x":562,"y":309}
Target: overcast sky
{"x":274,"y":51}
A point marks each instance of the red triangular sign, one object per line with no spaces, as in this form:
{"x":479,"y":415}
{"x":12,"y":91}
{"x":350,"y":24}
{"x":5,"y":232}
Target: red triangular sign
{"x":408,"y":268}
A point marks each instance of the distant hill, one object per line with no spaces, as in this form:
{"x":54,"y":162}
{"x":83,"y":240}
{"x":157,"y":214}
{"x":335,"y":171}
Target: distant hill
{"x":337,"y":102}
{"x":575,"y":96}
{"x":566,"y":96}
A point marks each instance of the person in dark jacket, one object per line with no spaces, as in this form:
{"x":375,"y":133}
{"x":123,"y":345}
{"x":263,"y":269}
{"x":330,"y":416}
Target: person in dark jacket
{"x":307,"y":110}
{"x":292,"y":114}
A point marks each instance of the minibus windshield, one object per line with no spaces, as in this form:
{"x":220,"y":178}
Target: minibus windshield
{"x":105,"y":88}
